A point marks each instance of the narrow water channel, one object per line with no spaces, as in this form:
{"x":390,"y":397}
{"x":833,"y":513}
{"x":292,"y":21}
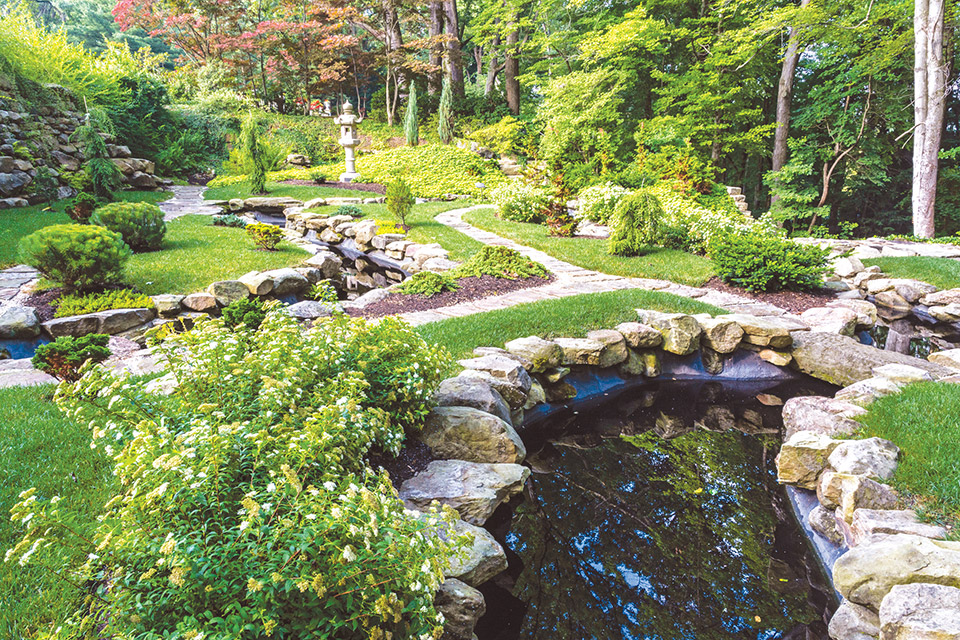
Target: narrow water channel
{"x":658,"y":516}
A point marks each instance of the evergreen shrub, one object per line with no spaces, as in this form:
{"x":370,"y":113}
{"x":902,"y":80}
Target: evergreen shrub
{"x":500,"y":262}
{"x":265,"y":236}
{"x":758,"y":261}
{"x":637,"y":224}
{"x":77,"y":256}
{"x":399,"y":200}
{"x":139,"y":223}
{"x":428,"y":283}
{"x":64,"y":357}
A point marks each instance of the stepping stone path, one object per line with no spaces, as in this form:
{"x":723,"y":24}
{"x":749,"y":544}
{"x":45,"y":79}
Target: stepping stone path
{"x":570,"y":280}
{"x":13,"y":278}
{"x":187,"y":200}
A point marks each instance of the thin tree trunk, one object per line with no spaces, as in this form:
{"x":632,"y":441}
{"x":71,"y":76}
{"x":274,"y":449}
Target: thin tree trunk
{"x":784,"y":98}
{"x":511,"y":71}
{"x":493,"y":69}
{"x":436,"y":56}
{"x":929,"y":92}
{"x":454,"y":53}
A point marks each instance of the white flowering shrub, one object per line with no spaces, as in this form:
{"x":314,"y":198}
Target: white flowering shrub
{"x":246,"y":509}
{"x":598,"y":202}
{"x":521,"y":201}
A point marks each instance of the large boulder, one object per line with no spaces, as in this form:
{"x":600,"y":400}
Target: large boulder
{"x":841,"y":360}
{"x":168,"y":304}
{"x":270,"y":206}
{"x":871,"y":522}
{"x":462,"y":606}
{"x":820,"y":414}
{"x":287,"y":281}
{"x":200,"y":301}
{"x":763,"y":332}
{"x":920,"y":612}
{"x":257,"y":283}
{"x":866,"y":391}
{"x":18,"y":322}
{"x":465,"y":433}
{"x":639,"y":335}
{"x":472,"y":392}
{"x":310,"y":310}
{"x":854,"y":622}
{"x":831,"y":320}
{"x":514,"y":392}
{"x":720,"y":335}
{"x":541,"y":354}
{"x":614,"y":346}
{"x":803,"y":458}
{"x":364,"y":230}
{"x":949,"y":358}
{"x":866,"y":573}
{"x":866,"y":311}
{"x":945,"y":297}
{"x":501,"y":367}
{"x":474,"y":489}
{"x":580,"y":351}
{"x":228,"y":291}
{"x":109,"y":322}
{"x":329,"y":263}
{"x":873,"y":457}
{"x":681,"y":333}
{"x":484,"y":558}
{"x":846,"y":493}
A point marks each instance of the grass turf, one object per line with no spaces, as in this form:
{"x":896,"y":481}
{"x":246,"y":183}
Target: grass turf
{"x":591,"y":253}
{"x":278,"y":190}
{"x":570,"y":317}
{"x":942,"y":273}
{"x":922,"y":421}
{"x":39,"y":447}
{"x":18,"y":223}
{"x":196,"y":253}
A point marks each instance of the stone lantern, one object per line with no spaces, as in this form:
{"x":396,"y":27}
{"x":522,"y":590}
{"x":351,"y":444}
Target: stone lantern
{"x":349,"y":140}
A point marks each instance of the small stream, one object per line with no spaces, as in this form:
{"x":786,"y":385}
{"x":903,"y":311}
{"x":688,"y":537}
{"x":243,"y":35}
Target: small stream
{"x":659,"y":516}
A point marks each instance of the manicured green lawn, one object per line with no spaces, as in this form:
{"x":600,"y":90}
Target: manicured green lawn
{"x":663,"y":264}
{"x":17,"y":223}
{"x":41,"y":448}
{"x":922,"y":421}
{"x":196,"y":253}
{"x":277,"y":190}
{"x":563,"y":317}
{"x":942,"y":273}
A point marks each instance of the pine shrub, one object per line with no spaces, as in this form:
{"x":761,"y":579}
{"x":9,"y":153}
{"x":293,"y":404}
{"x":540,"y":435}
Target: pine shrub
{"x":411,"y":127}
{"x":82,"y":257}
{"x":400,"y":200}
{"x":140,"y":223}
{"x":760,"y":261}
{"x":637,"y":224}
{"x":63,"y":357}
{"x":500,"y":262}
{"x":445,"y":113}
{"x":265,"y":236}
{"x":253,"y":148}
{"x":428,"y":283}
{"x":246,"y":312}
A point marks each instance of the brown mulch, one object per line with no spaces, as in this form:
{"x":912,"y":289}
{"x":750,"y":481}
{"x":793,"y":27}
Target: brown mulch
{"x":471,"y":288}
{"x":370,"y":187}
{"x":41,"y":303}
{"x":792,"y":301}
{"x":413,"y":458}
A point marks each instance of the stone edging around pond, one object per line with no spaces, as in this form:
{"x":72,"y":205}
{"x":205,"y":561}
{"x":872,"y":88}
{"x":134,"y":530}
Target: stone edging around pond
{"x":474,"y":429}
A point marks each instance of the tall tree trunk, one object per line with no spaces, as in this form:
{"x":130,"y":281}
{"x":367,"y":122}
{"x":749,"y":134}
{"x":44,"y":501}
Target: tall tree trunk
{"x":454,"y":54}
{"x":436,"y":50}
{"x":784,"y":98}
{"x":393,"y":40}
{"x":511,"y":71}
{"x":929,"y":101}
{"x":494,"y":67}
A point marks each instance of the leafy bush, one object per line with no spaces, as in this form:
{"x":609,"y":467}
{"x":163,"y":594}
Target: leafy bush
{"x":318,"y":175}
{"x":521,"y":202}
{"x":323,"y":292}
{"x":45,"y":185}
{"x":637,"y":224}
{"x":690,"y":226}
{"x":432,"y":171}
{"x":77,"y":256}
{"x":63,"y":357}
{"x":140,"y":223}
{"x":428,"y":283}
{"x":74,"y":305}
{"x":81,"y":207}
{"x":399,"y":200}
{"x":759,"y":261}
{"x":500,"y":262}
{"x":246,"y":312}
{"x":598,"y":202}
{"x":503,"y":138}
{"x":265,"y":236}
{"x":351,"y":210}
{"x":246,"y":502}
{"x":229,"y":220}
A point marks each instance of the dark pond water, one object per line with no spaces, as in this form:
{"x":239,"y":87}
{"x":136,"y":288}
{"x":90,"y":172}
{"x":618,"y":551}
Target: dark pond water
{"x":17,"y":349}
{"x":658,"y":516}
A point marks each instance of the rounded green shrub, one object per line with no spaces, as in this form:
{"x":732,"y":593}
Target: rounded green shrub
{"x":77,"y":256}
{"x":637,"y":224}
{"x":500,"y":262}
{"x":63,"y":357}
{"x":428,"y":283}
{"x":348,"y":210}
{"x":140,"y":223}
{"x":759,"y":261}
{"x":265,"y":236}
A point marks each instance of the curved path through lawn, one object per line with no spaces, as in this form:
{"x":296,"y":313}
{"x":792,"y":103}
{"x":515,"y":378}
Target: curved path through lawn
{"x":187,"y":200}
{"x":570,"y":280}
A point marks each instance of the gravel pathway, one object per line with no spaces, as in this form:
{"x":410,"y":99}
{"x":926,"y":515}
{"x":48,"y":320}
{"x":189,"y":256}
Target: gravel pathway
{"x":187,"y":200}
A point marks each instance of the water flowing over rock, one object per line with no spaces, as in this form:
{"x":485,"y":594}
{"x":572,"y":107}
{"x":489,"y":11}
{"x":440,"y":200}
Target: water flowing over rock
{"x":465,"y":433}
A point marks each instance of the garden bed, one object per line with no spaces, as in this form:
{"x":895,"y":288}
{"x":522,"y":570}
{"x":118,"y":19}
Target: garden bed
{"x":471,"y":288}
{"x":792,"y":301}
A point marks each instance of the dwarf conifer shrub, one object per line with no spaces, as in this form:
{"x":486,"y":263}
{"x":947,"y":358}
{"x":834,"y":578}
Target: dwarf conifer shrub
{"x":428,"y":283}
{"x":82,"y":206}
{"x":246,"y":312}
{"x":500,"y":262}
{"x":229,"y":220}
{"x":759,"y":261}
{"x":637,"y":223}
{"x":348,"y":210}
{"x":77,"y":256}
{"x":400,"y":200}
{"x":140,"y":223}
{"x":265,"y":236}
{"x":64,"y":357}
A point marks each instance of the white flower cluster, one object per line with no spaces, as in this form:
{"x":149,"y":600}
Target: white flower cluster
{"x":598,"y":202}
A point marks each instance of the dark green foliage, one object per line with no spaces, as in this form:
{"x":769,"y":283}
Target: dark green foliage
{"x":253,"y":148}
{"x":428,"y":283}
{"x":637,"y":223}
{"x":411,"y":129}
{"x":247,"y":312}
{"x":193,"y":142}
{"x":45,"y":185}
{"x":140,"y":223}
{"x":348,"y":210}
{"x":500,"y":262}
{"x":762,"y":262}
{"x":318,"y":175}
{"x":81,"y":207}
{"x":445,"y":114}
{"x":63,"y":357}
{"x":104,"y":175}
{"x":74,"y":305}
{"x":400,"y":200}
{"x":229,"y":220}
{"x":77,"y":256}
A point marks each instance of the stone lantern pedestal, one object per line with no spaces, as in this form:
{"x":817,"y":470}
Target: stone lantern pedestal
{"x":349,"y":140}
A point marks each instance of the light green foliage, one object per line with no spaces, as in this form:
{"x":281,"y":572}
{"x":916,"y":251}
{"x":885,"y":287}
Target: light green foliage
{"x":411,"y":128}
{"x":500,"y":262}
{"x":637,"y":224}
{"x":77,"y":304}
{"x":921,"y":420}
{"x":399,"y":200}
{"x":104,"y":175}
{"x":246,"y":313}
{"x":269,"y":453}
{"x":265,"y":236}
{"x":598,"y":202}
{"x":758,"y":261}
{"x":77,"y":256}
{"x":351,"y":210}
{"x":273,"y":158}
{"x":318,"y":175}
{"x":431,"y":170}
{"x":81,"y":207}
{"x":445,"y":113}
{"x":690,"y":226}
{"x":324,"y":292}
{"x":521,"y":201}
{"x":254,"y":153}
{"x":503,"y":138}
{"x":140,"y":223}
{"x":230,"y":220}
{"x":64,"y":357}
{"x":943,"y":273}
{"x":428,"y":283}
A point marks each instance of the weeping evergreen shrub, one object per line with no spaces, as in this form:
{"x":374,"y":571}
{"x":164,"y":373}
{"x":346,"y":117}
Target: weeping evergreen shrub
{"x":104,"y":175}
{"x":253,"y":148}
{"x":637,"y":224}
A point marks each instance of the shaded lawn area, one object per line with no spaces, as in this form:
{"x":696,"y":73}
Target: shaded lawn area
{"x":18,"y":223}
{"x":591,"y":253}
{"x":563,"y":317}
{"x":195,"y":253}
{"x":278,"y":190}
{"x":942,"y":273}
{"x":39,"y":447}
{"x":922,"y":421}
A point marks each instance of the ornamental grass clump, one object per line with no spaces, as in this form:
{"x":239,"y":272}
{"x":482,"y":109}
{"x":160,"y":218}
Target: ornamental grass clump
{"x":78,"y":256}
{"x":500,"y":262}
{"x":245,"y":506}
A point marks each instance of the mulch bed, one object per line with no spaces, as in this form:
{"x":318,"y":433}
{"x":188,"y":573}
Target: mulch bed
{"x":471,"y":288}
{"x":41,"y":303}
{"x":413,"y":458}
{"x":792,"y":301}
{"x":371,"y":187}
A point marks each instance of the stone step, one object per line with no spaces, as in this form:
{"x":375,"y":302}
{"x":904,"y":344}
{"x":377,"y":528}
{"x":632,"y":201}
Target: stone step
{"x":739,"y":198}
{"x":734,"y":191}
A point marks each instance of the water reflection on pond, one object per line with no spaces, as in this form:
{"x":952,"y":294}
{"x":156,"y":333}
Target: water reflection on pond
{"x":659,"y":516}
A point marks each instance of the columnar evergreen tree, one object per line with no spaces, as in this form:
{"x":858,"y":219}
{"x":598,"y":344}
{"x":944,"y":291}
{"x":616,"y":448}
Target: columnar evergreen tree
{"x":253,"y":150}
{"x":445,"y":128}
{"x":410,"y":127}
